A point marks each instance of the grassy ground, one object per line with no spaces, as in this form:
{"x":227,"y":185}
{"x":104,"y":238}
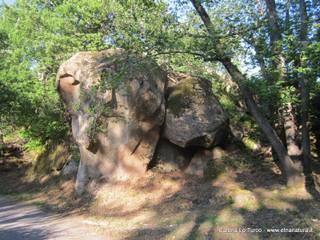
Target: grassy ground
{"x":246,"y":200}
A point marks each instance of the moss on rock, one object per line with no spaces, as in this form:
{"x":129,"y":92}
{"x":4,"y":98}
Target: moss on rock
{"x":180,"y":96}
{"x":53,"y":158}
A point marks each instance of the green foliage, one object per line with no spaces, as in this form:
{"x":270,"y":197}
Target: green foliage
{"x":36,"y":36}
{"x":34,"y":145}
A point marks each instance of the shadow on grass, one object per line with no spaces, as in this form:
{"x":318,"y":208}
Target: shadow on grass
{"x":251,"y":204}
{"x":213,"y":217}
{"x":21,"y":233}
{"x":51,"y":192}
{"x":252,"y":199}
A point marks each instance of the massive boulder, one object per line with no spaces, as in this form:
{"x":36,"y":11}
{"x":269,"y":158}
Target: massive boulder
{"x":117,"y":104}
{"x":194,"y":116}
{"x":118,"y":108}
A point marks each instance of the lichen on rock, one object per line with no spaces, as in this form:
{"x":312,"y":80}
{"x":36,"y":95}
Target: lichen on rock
{"x":194,"y":116}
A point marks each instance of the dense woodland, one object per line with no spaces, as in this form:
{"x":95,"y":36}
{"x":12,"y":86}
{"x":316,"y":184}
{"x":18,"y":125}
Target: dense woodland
{"x":262,"y":57}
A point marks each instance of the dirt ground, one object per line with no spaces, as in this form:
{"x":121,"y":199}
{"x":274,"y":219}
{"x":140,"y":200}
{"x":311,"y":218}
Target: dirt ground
{"x":20,"y":221}
{"x":247,"y":202}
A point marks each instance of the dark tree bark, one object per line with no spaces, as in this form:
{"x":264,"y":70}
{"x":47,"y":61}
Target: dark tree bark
{"x":304,"y":89}
{"x":273,"y":21}
{"x":2,"y":143}
{"x":315,"y":106}
{"x":290,"y":170}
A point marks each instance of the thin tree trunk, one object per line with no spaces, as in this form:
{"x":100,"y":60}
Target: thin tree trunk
{"x":287,"y":116}
{"x":1,"y":139}
{"x":261,"y":61}
{"x":290,"y":131}
{"x":304,"y":89}
{"x":287,"y":18}
{"x":273,"y":21}
{"x":1,"y":144}
{"x":291,"y":171}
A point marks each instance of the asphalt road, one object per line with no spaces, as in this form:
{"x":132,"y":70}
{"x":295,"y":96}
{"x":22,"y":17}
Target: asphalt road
{"x":20,"y":221}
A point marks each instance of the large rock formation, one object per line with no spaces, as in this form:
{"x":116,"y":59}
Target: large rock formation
{"x":117,"y":105}
{"x":194,"y":116}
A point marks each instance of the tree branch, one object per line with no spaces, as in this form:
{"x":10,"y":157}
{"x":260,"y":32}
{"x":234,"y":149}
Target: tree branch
{"x":201,"y":55}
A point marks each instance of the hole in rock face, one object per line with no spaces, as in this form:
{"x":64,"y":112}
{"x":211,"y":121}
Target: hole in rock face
{"x":76,"y":82}
{"x":68,"y":87}
{"x":65,"y":75}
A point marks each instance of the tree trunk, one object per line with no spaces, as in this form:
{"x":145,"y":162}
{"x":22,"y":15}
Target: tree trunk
{"x":1,"y":144}
{"x":291,"y":172}
{"x":1,"y":139}
{"x":287,"y":18}
{"x":275,"y":31}
{"x":272,"y":108}
{"x":290,"y":131}
{"x":287,"y":116}
{"x":304,"y":90}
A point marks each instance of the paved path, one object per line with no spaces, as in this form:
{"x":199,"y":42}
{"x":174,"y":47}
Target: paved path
{"x":20,"y":221}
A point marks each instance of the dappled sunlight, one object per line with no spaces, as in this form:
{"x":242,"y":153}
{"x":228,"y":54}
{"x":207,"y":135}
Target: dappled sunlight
{"x":259,"y":197}
{"x":125,"y":197}
{"x":240,"y":197}
{"x":296,"y":193}
{"x":177,"y":205}
{"x":228,"y":217}
{"x":182,"y":231}
{"x":244,"y":199}
{"x":227,"y":224}
{"x":272,"y":199}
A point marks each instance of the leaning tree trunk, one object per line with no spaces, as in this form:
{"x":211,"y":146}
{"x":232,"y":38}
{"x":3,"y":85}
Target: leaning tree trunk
{"x":304,"y":91}
{"x":291,"y":172}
